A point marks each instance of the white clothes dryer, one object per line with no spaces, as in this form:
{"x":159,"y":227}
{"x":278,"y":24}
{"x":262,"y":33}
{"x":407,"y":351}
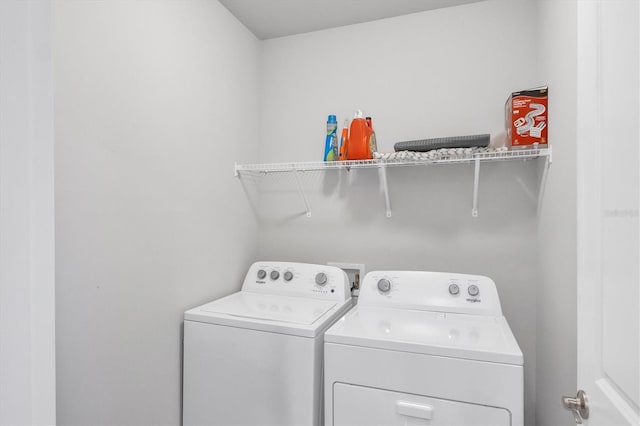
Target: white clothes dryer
{"x":255,"y":356}
{"x":423,"y":348}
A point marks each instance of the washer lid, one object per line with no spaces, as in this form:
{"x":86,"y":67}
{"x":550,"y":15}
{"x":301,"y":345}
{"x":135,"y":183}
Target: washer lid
{"x":246,"y":305}
{"x":476,"y":337}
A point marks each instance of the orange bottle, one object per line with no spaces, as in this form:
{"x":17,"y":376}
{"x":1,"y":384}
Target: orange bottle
{"x":359,"y":144}
{"x":344,"y":140}
{"x":373,"y":142}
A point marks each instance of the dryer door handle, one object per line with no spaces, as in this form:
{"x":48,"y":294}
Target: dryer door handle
{"x":413,"y":409}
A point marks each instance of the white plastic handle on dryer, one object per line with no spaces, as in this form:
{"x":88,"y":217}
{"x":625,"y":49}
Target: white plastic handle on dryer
{"x":412,"y":409}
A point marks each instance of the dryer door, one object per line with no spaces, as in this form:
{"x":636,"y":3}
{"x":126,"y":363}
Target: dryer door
{"x":358,"y":405}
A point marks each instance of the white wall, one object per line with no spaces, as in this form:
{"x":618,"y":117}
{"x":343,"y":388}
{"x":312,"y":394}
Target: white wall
{"x":439,"y":73}
{"x":155,"y":101}
{"x":556,"y":290}
{"x":27,"y":333}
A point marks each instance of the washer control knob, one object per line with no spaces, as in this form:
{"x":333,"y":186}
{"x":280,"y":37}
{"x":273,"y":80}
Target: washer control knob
{"x":473,"y":290}
{"x":261,"y":274}
{"x":384,"y":285}
{"x":321,"y":278}
{"x":274,"y":275}
{"x":288,"y":276}
{"x":454,"y":289}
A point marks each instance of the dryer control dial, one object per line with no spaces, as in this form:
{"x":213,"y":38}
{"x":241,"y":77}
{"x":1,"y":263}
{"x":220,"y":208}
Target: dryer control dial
{"x":275,"y":275}
{"x":261,"y":274}
{"x":473,"y":290}
{"x":454,"y":289}
{"x":288,"y":276}
{"x":321,"y":278}
{"x":384,"y":285}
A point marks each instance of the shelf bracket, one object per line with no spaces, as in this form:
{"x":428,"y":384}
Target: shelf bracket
{"x":543,"y":181}
{"x":476,"y":180}
{"x":301,"y":192}
{"x":383,"y":181}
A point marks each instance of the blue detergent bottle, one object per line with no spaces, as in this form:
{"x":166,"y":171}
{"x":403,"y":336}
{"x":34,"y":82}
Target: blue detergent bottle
{"x":331,"y":143}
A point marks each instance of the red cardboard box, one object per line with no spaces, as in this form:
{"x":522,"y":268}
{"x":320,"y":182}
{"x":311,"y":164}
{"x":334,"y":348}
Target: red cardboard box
{"x":526,"y":117}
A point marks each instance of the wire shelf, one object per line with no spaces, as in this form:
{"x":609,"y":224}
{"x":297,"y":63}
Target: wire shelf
{"x":524,"y":154}
{"x":445,"y":156}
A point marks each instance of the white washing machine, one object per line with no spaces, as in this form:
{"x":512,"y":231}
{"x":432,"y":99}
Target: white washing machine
{"x":255,"y":357}
{"x":423,"y":348}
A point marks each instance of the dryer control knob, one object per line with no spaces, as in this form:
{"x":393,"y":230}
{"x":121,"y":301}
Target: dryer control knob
{"x":288,"y":276}
{"x":384,"y":285}
{"x":261,"y":274}
{"x":473,"y":290}
{"x":275,"y":275}
{"x":454,"y":289}
{"x":321,"y":278}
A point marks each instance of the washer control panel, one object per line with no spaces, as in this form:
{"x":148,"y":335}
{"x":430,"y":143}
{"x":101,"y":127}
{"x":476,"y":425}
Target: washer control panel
{"x":431,"y":291}
{"x":298,"y":279}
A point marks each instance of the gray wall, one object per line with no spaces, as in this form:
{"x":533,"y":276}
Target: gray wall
{"x":154,"y":102}
{"x":439,"y":73}
{"x":556,"y":290}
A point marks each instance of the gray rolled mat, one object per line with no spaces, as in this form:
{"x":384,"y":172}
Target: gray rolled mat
{"x":422,"y":145}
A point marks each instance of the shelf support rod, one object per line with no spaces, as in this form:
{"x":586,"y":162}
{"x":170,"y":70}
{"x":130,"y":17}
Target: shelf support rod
{"x":385,"y":188}
{"x":301,"y":192}
{"x":476,"y":180}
